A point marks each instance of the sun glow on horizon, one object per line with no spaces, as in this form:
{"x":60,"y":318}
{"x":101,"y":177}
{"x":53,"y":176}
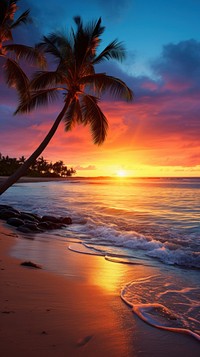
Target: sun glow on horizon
{"x":121,"y":173}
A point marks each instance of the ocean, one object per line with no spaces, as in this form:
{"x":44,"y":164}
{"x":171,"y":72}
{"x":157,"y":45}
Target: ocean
{"x":150,"y":222}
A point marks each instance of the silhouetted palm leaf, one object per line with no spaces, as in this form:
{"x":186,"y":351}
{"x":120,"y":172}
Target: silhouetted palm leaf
{"x":86,"y":40}
{"x":93,"y":116}
{"x":101,"y":83}
{"x":15,"y":77}
{"x":115,"y":50}
{"x":73,"y":115}
{"x":49,"y":46}
{"x":28,"y":53}
{"x":22,"y":19}
{"x":7,"y":23}
{"x":12,"y":53}
{"x":43,"y":79}
{"x":37,"y":99}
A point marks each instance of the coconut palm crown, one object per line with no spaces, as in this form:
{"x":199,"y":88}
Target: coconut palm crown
{"x":75,"y":78}
{"x":10,"y":52}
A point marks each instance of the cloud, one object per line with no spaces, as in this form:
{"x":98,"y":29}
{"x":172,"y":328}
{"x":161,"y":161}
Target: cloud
{"x":179,"y":65}
{"x":161,"y":127}
{"x":89,"y":167}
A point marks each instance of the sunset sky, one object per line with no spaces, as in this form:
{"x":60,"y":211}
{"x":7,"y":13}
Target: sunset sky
{"x":158,"y":134}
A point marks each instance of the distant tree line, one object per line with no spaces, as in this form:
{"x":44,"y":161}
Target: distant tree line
{"x":40,"y":168}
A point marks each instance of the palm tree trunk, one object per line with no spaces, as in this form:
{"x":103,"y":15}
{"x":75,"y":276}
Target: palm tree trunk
{"x":21,"y":171}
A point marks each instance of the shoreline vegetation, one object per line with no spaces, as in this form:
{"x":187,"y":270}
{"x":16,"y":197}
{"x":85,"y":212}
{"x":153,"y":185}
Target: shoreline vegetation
{"x":46,"y":314}
{"x":40,"y":168}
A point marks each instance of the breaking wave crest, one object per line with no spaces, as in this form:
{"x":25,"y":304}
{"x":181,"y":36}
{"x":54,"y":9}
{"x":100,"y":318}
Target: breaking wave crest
{"x":110,"y":239}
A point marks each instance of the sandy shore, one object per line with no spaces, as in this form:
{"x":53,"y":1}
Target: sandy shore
{"x":78,"y":314}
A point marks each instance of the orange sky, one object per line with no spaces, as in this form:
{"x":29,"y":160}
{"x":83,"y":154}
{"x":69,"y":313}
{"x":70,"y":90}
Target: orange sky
{"x":138,"y":143}
{"x":156,"y":135}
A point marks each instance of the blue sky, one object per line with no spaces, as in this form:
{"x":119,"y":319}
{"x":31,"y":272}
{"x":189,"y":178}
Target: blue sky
{"x":157,"y":134}
{"x":144,"y":26}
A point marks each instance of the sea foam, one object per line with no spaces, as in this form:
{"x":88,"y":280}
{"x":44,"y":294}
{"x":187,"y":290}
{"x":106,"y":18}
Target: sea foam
{"x":157,"y":301}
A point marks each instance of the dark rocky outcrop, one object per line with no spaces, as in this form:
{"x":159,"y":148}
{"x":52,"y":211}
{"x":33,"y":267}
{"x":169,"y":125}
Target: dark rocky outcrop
{"x":27,"y":222}
{"x":7,"y":213}
{"x":32,"y":226}
{"x":14,"y":221}
{"x":67,"y":220}
{"x":5,"y":207}
{"x":24,"y":229}
{"x":50,"y":219}
{"x":28,"y":217}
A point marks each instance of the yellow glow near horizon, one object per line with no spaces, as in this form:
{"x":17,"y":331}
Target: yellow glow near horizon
{"x":121,"y":173}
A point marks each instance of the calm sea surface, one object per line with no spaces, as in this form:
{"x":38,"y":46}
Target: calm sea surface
{"x":153,"y":222}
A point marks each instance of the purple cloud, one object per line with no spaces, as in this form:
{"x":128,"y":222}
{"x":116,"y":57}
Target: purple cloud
{"x":179,"y":64}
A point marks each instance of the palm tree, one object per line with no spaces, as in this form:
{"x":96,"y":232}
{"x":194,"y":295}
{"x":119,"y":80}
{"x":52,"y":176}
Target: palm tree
{"x":11,"y":53}
{"x":75,"y":77}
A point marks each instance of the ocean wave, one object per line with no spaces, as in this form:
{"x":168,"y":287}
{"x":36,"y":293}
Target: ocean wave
{"x":151,"y":223}
{"x":107,"y":238}
{"x":178,"y":257}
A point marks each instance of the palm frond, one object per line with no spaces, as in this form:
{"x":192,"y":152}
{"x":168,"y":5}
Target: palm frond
{"x":44,"y":79}
{"x":79,"y":23}
{"x":28,"y":53}
{"x":64,"y":46}
{"x":11,"y":9}
{"x":97,"y":28}
{"x":36,"y":99}
{"x":94,"y":30}
{"x":3,"y":11}
{"x":15,"y":77}
{"x":73,"y":115}
{"x":81,"y":42}
{"x":5,"y":35}
{"x":100,"y":83}
{"x":115,"y":50}
{"x":61,"y":40}
{"x":93,"y":115}
{"x":22,"y":19}
{"x":49,"y":46}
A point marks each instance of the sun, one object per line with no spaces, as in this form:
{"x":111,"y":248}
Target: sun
{"x":121,"y":173}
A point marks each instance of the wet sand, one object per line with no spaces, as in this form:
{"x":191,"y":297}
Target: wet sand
{"x":76,"y":314}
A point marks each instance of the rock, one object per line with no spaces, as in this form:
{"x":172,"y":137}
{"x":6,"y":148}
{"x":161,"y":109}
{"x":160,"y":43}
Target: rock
{"x":29,"y":222}
{"x":5,"y":207}
{"x":59,"y":225}
{"x":50,"y":219}
{"x":9,"y":208}
{"x":24,"y":229}
{"x":29,"y":217}
{"x":32,"y":226}
{"x":44,"y":225}
{"x":34,"y":215}
{"x":6,"y":213}
{"x":14,"y":221}
{"x":67,"y":220}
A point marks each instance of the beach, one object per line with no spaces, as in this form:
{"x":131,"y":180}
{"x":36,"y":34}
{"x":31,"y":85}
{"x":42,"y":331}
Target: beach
{"x":46,"y":314}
